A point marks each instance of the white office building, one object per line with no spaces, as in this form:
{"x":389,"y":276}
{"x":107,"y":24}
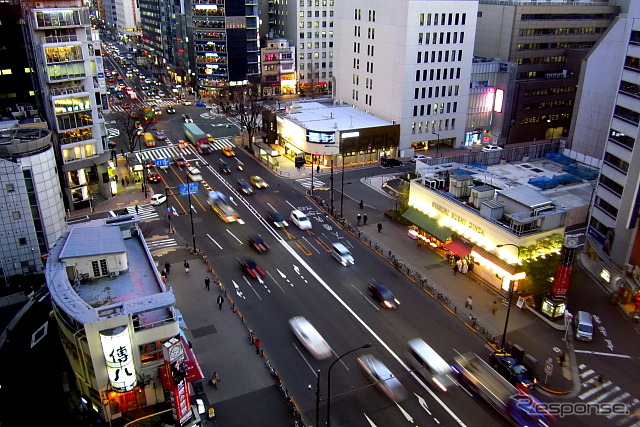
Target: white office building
{"x":408,"y":62}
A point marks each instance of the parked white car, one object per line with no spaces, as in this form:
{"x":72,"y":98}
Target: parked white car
{"x":491,"y":148}
{"x":300,"y":220}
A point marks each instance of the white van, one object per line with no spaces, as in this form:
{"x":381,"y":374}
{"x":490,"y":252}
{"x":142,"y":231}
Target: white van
{"x":342,"y":254}
{"x":429,"y":364}
{"x":584,"y":326}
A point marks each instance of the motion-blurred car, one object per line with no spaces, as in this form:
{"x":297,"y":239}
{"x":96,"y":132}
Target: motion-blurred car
{"x":158,"y":199}
{"x":183,"y":143}
{"x":224,"y":168}
{"x":148,"y":163}
{"x":513,"y":371}
{"x":185,"y":102}
{"x":277,"y":219}
{"x":180,"y":161}
{"x":171,"y":109}
{"x":383,"y":295}
{"x":126,"y":106}
{"x":342,"y":254}
{"x":228,"y":151}
{"x":161,"y":135}
{"x":194,"y":174}
{"x":120,"y":95}
{"x":200,"y":104}
{"x":310,"y":337}
{"x":258,"y":182}
{"x":258,"y":244}
{"x":153,"y":177}
{"x":252,"y":268}
{"x":300,"y":220}
{"x":187,"y":118}
{"x":245,"y":187}
{"x":382,"y":377}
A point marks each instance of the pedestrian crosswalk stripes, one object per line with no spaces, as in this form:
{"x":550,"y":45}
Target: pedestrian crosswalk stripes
{"x":306,"y":182}
{"x":145,"y":211}
{"x":175,"y":151}
{"x":161,"y":244}
{"x":598,"y":391}
{"x":149,"y":103}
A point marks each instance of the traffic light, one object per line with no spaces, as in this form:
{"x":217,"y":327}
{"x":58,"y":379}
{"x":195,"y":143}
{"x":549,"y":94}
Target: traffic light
{"x":299,"y":162}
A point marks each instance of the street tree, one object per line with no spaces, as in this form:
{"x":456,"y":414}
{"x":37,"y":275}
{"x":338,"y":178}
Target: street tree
{"x":246,"y":107}
{"x":130,"y":119}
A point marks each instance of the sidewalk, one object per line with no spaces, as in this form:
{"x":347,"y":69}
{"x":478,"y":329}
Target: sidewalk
{"x":247,"y":393}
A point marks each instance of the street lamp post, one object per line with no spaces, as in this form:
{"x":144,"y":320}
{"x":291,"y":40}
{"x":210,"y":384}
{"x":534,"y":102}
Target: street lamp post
{"x":506,"y":321}
{"x":367,"y":345}
{"x":437,"y":142}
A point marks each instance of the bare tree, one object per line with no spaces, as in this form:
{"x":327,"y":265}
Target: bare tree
{"x":312,"y":77}
{"x":129,"y":121}
{"x":246,"y":107}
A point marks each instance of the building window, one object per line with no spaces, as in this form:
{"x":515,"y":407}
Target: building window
{"x":22,"y":241}
{"x":9,"y":188}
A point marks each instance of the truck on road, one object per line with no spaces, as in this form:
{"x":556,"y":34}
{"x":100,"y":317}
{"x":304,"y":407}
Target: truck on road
{"x":192,"y":132}
{"x":198,"y":138}
{"x":519,"y":407}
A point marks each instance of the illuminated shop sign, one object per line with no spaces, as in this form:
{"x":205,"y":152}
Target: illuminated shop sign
{"x":350,"y":135}
{"x":116,"y":348}
{"x":459,"y":219}
{"x":321,"y":137}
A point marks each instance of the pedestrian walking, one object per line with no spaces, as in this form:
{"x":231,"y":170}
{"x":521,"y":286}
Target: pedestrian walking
{"x":379,"y":227}
{"x":469,"y":303}
{"x":122,"y":181}
{"x":455,"y":269}
{"x":126,"y":180}
{"x":494,"y":307}
{"x":361,"y":204}
{"x":561,"y":359}
{"x":364,"y":218}
{"x":167,"y":267}
{"x":252,"y":336}
{"x":318,"y":169}
{"x":216,"y":376}
{"x":359,"y":218}
{"x":186,"y":266}
{"x":136,"y":209}
{"x":256,"y":343}
{"x":213,"y":381}
{"x":220,"y":300}
{"x":206,"y":282}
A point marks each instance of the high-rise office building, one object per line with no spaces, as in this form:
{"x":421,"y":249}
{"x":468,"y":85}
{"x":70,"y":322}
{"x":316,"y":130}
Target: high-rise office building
{"x":613,"y":241}
{"x":548,"y":41}
{"x":309,"y":25}
{"x":408,"y":62}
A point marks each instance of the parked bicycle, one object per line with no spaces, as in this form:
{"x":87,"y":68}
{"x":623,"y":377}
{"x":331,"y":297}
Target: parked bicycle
{"x":442,"y":297}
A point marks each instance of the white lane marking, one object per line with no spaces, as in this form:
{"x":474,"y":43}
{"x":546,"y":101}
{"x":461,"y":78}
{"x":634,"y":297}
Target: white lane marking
{"x":304,"y":358}
{"x":365,"y":297}
{"x":274,"y":279}
{"x":213,"y":240}
{"x":598,"y":353}
{"x":249,"y":283}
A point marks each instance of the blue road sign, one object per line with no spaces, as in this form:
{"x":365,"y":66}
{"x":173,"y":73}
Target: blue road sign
{"x":190,"y":188}
{"x":162,"y":162}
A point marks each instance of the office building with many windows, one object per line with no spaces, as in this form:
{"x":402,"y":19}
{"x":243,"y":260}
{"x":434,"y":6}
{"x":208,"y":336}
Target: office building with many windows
{"x":408,"y":62}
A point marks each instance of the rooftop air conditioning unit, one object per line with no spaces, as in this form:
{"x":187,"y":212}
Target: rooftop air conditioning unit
{"x":113,"y":274}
